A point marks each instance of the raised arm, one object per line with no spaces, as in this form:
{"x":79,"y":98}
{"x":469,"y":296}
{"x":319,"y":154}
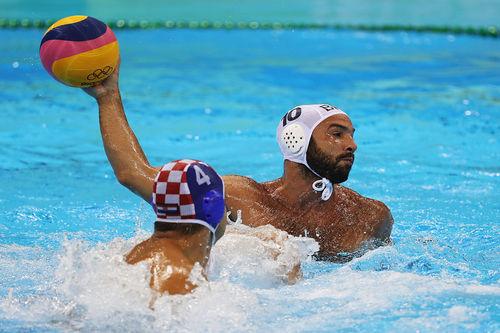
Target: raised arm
{"x":124,"y":152}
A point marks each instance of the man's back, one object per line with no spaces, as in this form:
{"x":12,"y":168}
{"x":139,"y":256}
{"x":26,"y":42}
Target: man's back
{"x":342,"y":224}
{"x":170,"y":267}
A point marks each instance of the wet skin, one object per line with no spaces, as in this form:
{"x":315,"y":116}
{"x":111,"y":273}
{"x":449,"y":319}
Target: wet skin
{"x":172,"y":255}
{"x":342,"y":224}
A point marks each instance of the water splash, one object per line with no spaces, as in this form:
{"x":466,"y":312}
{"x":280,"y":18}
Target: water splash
{"x":261,"y":257}
{"x":93,"y":288}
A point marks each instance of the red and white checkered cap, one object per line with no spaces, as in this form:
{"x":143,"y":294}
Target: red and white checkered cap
{"x":183,"y":197}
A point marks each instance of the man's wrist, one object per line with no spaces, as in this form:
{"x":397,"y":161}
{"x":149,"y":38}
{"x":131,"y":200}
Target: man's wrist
{"x":108,"y":96}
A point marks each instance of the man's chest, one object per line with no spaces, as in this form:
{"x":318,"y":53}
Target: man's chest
{"x":336,"y":226}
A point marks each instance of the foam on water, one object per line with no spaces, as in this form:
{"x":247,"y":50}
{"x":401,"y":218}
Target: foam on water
{"x":260,"y":257}
{"x":92,"y":289}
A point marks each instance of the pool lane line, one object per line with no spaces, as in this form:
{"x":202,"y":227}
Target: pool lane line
{"x":490,"y":31}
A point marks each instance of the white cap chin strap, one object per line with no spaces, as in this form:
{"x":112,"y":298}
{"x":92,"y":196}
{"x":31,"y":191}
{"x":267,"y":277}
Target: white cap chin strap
{"x":324,"y":186}
{"x":294,"y":134}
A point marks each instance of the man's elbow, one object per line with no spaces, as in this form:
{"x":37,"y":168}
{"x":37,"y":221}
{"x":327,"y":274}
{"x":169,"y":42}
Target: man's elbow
{"x":124,"y":177}
{"x":139,"y":184}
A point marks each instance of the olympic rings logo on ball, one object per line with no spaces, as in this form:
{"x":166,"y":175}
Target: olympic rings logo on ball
{"x":99,"y":73}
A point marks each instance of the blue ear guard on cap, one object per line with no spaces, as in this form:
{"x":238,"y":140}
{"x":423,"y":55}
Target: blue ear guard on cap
{"x":213,"y":207}
{"x":207,"y":191}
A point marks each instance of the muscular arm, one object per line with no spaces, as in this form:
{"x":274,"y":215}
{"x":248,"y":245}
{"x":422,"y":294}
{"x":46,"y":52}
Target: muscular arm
{"x":383,"y":227}
{"x":124,"y":152}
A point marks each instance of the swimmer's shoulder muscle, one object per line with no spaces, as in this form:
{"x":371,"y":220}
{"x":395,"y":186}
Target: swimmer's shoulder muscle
{"x":241,"y":194}
{"x":376,"y":214}
{"x":241,"y":186}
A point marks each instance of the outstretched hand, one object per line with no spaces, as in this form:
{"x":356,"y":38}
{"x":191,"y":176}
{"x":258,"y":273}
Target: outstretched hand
{"x":106,"y":87}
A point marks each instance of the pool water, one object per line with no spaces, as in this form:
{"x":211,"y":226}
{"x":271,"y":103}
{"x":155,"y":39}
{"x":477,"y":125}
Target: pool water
{"x":426,"y":108}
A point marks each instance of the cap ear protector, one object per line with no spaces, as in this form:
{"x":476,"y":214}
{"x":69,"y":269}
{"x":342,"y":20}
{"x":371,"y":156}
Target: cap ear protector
{"x":293,"y":139}
{"x":213,"y":206}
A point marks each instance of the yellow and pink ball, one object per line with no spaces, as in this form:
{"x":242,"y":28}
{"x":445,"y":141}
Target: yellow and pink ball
{"x":79,"y":51}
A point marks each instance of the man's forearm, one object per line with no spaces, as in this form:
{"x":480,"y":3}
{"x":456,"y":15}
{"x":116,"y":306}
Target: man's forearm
{"x":122,"y":148}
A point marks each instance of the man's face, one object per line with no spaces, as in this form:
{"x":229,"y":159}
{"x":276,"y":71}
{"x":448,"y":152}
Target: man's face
{"x":331,"y":149}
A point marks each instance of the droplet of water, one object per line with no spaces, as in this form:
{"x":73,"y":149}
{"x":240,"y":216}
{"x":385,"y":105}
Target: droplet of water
{"x":15,"y":64}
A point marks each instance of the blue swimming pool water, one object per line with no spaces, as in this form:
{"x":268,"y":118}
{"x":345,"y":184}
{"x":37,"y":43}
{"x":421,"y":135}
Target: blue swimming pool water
{"x":426,"y":108}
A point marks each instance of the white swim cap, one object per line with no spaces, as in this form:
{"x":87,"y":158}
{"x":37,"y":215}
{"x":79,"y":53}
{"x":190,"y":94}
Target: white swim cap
{"x":294,"y":134}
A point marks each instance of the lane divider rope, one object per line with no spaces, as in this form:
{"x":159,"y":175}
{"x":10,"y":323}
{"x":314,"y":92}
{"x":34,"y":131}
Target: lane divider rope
{"x":490,"y":31}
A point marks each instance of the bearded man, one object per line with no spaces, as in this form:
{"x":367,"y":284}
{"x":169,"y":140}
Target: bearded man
{"x":318,"y":147}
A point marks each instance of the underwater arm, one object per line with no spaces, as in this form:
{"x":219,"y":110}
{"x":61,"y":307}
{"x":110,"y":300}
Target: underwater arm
{"x":123,"y":150}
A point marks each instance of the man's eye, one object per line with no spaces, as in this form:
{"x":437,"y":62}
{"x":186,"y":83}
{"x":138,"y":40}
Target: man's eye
{"x":337,"y":134}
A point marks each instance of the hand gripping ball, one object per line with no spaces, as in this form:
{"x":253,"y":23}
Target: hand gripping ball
{"x":79,"y":51}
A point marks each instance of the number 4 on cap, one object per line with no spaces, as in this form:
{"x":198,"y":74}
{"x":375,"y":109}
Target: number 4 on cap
{"x":201,"y":177}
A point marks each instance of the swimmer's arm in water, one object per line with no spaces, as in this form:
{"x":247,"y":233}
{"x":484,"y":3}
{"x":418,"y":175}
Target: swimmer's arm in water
{"x":383,"y":227}
{"x":130,"y":165}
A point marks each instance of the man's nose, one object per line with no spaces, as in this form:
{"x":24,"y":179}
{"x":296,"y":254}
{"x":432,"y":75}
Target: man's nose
{"x":351,"y":145}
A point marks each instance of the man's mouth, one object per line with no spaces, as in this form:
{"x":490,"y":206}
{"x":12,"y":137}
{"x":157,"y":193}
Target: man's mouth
{"x":348,"y":158}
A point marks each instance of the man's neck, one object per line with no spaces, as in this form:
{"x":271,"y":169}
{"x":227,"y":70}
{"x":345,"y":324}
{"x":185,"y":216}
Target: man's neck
{"x":296,"y":185}
{"x":195,"y":245}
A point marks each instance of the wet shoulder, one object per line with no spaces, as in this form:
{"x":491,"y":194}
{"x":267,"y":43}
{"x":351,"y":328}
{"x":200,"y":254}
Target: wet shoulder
{"x":242,"y":186}
{"x":242,"y":194}
{"x":374,"y":213}
{"x":373,"y":210}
